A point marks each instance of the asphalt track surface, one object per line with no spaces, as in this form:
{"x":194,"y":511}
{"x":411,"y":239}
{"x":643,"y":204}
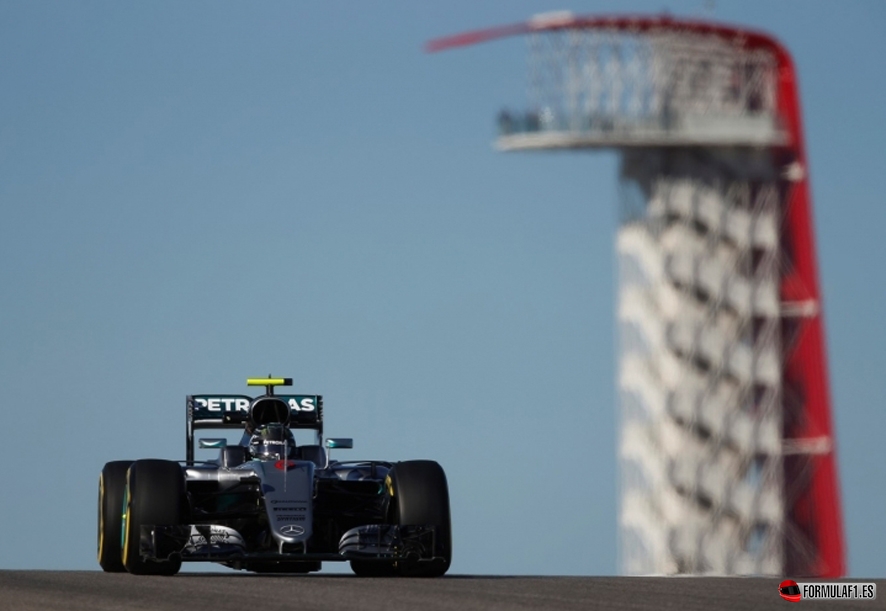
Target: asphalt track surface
{"x":96,"y":591}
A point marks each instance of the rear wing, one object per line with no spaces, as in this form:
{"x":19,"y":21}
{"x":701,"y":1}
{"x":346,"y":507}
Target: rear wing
{"x":232,"y":412}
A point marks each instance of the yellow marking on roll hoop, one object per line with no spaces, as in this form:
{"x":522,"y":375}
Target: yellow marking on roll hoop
{"x":269,"y":381}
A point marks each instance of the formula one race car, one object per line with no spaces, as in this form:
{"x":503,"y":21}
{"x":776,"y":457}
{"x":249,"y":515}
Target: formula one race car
{"x":269,"y":505}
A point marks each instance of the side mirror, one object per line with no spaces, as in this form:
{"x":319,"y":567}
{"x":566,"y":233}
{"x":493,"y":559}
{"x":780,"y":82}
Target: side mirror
{"x":340,"y":442}
{"x":212,"y":443}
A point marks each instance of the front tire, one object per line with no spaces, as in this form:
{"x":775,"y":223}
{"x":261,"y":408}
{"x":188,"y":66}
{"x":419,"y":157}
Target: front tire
{"x":111,"y":490}
{"x":418,"y":496}
{"x":155,"y":492}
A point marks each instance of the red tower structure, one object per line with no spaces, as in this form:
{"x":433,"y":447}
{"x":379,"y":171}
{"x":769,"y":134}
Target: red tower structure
{"x":709,"y":111}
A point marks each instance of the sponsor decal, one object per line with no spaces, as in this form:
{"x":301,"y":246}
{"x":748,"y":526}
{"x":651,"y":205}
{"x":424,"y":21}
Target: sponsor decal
{"x":290,"y":508}
{"x":241,"y":404}
{"x":290,"y":518}
{"x":213,"y":539}
{"x":224,"y":404}
{"x":287,"y":502}
{"x":217,"y":535}
{"x":292,"y":530}
{"x":306,"y":405}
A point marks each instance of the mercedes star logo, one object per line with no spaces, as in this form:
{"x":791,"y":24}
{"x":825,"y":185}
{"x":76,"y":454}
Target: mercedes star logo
{"x":292,"y":530}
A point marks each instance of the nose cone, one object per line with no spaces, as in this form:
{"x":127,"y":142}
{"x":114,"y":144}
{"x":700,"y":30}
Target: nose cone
{"x":289,"y":493}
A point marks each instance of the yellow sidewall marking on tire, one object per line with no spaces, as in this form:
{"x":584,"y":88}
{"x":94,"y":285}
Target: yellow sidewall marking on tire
{"x":389,"y":485}
{"x":101,"y":516}
{"x":126,"y":522}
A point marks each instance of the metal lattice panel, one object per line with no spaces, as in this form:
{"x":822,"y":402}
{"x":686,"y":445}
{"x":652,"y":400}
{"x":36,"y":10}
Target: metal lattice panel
{"x":608,"y":87}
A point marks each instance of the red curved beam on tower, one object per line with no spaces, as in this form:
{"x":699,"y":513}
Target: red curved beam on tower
{"x":816,"y":509}
{"x":627,"y":23}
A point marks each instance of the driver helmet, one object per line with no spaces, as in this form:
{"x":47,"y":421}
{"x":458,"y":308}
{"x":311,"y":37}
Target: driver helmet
{"x":272,"y":442}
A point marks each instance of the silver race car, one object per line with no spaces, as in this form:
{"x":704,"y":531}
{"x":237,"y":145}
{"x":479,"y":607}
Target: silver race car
{"x":270,"y":505}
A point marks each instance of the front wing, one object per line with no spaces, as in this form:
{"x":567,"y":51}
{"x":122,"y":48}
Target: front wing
{"x":215,"y":543}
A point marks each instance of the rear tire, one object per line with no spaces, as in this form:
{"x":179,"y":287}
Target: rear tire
{"x":155,"y":494}
{"x":419,"y":496}
{"x":111,"y":489}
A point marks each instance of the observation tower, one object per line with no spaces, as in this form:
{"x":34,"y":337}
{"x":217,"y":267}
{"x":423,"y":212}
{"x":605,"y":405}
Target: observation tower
{"x":726,"y":450}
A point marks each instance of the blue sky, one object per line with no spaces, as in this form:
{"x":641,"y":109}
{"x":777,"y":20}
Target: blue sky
{"x":194,"y":193}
